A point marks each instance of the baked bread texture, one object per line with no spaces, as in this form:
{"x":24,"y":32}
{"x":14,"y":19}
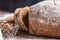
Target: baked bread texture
{"x":43,"y":17}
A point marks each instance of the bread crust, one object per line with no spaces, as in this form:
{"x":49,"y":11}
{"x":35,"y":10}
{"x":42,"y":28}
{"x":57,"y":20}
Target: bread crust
{"x":19,"y":16}
{"x":44,"y":19}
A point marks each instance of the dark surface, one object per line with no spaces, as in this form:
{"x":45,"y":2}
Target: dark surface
{"x":11,"y":5}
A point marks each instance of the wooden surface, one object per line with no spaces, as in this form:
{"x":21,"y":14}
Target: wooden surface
{"x":22,"y":35}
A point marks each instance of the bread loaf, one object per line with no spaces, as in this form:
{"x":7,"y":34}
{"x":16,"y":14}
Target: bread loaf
{"x":44,"y":19}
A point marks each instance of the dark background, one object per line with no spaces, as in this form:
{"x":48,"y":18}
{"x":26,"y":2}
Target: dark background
{"x":11,"y":5}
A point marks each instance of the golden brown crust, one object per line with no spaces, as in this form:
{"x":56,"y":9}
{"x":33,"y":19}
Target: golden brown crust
{"x":44,"y":19}
{"x":19,"y":15}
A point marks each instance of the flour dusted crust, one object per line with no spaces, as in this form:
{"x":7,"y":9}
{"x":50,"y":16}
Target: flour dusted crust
{"x":44,"y":19}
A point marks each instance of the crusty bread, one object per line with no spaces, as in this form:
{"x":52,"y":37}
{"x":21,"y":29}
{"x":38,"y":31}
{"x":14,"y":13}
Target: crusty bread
{"x":44,"y":19}
{"x":19,"y":16}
